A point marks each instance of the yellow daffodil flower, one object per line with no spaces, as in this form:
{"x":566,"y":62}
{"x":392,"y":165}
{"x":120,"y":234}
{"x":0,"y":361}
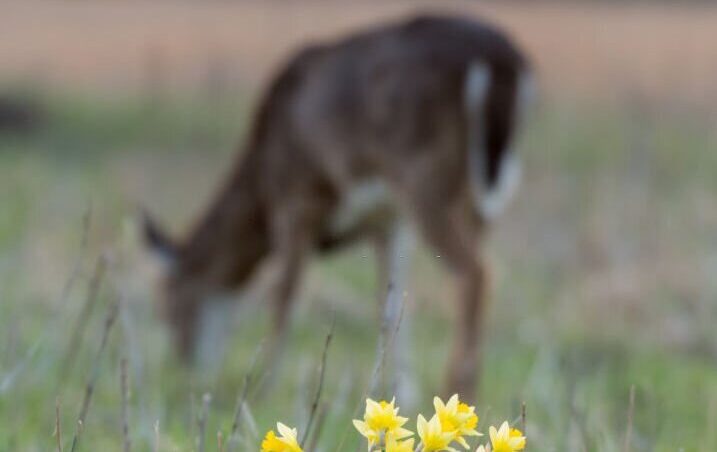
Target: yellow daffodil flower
{"x":506,"y":439}
{"x":287,"y":442}
{"x":381,"y":421}
{"x":452,"y":423}
{"x":393,"y":445}
{"x":457,"y":417}
{"x":433,"y":438}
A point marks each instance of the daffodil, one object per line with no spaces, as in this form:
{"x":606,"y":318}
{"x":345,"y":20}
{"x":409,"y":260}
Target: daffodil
{"x":286,"y":442}
{"x":506,"y":439}
{"x":393,"y":445}
{"x":457,"y":417}
{"x":433,"y":438}
{"x":381,"y":421}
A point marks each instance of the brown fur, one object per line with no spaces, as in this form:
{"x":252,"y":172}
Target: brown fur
{"x":386,"y":104}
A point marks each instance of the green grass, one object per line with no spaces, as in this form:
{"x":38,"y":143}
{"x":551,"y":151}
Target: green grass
{"x":602,"y":281}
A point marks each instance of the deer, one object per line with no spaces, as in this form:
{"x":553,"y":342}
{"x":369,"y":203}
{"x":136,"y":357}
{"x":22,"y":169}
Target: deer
{"x":410,"y":122}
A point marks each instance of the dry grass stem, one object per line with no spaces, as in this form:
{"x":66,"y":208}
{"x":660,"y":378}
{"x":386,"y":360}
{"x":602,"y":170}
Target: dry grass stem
{"x":387,"y":342}
{"x":58,"y":428}
{"x":320,"y":387}
{"x":711,"y":421}
{"x":10,"y":377}
{"x":320,"y":422}
{"x":202,"y":421}
{"x":80,"y":326}
{"x":251,"y":423}
{"x":156,"y":436}
{"x":91,"y":382}
{"x":630,"y":415}
{"x":124,"y":388}
{"x":241,"y":400}
{"x":376,"y":369}
{"x":524,"y":419}
{"x":84,"y":239}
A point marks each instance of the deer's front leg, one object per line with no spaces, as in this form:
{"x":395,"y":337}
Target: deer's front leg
{"x":291,"y":241}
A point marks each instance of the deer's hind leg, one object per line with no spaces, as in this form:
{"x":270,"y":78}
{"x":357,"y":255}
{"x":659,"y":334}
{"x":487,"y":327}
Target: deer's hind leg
{"x":453,"y":234}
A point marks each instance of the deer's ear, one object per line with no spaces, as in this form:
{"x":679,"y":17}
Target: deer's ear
{"x":157,"y":240}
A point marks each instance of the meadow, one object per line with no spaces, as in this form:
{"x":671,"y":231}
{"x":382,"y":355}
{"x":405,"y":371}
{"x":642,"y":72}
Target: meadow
{"x":603,"y":281}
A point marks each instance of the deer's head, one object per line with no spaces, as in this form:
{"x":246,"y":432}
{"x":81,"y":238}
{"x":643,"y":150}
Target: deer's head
{"x":180,"y":291}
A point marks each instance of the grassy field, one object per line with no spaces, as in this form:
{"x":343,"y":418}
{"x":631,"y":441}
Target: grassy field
{"x":603,"y":279}
{"x":603,"y":270}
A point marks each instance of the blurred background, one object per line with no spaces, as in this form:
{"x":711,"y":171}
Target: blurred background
{"x":604,"y":269}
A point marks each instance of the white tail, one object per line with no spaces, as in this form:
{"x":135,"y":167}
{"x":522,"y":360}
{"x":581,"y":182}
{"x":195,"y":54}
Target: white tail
{"x":491,"y":197}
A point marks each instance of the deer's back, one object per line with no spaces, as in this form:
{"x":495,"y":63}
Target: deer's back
{"x":385,"y":91}
{"x":343,"y":116}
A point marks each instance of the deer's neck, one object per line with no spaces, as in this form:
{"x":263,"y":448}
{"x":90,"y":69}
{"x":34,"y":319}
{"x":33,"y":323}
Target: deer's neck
{"x":231,"y":238}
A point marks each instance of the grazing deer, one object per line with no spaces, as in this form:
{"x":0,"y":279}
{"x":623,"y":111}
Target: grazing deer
{"x":407,"y":121}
